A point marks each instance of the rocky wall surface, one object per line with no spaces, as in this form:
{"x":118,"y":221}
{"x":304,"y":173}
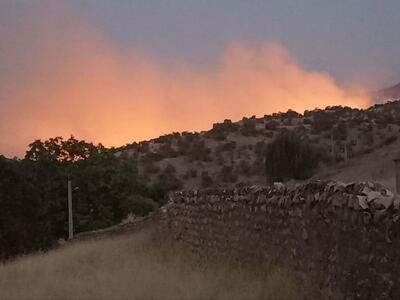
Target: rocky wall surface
{"x":346,"y":235}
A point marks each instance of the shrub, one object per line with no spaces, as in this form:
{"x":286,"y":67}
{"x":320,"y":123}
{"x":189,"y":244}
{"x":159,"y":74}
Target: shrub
{"x":390,"y":140}
{"x":168,"y":182}
{"x":199,"y":151}
{"x":228,"y":146}
{"x":219,"y":156}
{"x":271,"y":125}
{"x":241,"y":151}
{"x":220,"y":131}
{"x":244,"y":167}
{"x":339,"y":132}
{"x":287,"y":122}
{"x":206,"y":180}
{"x":290,"y":157}
{"x":327,"y":135}
{"x":258,"y":167}
{"x":192,"y":173}
{"x":166,"y":150}
{"x":169,"y":169}
{"x":259,"y":148}
{"x":190,"y":137}
{"x":315,"y":139}
{"x":269,"y":134}
{"x":143,"y":147}
{"x":368,"y":138}
{"x":150,"y":168}
{"x":249,"y":127}
{"x":301,"y":129}
{"x":138,"y":205}
{"x":241,"y":184}
{"x":227,"y":175}
{"x":322,"y":121}
{"x":154,"y":156}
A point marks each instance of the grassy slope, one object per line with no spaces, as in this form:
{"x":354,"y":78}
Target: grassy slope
{"x":135,"y":267}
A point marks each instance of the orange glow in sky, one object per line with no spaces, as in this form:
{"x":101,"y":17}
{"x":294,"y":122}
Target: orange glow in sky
{"x":79,"y":84}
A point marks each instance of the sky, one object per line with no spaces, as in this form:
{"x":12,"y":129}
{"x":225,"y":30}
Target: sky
{"x":122,"y":71}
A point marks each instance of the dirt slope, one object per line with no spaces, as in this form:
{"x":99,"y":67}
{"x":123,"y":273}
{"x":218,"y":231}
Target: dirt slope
{"x":377,"y":166}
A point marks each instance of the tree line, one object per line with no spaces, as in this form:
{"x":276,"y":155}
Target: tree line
{"x":33,"y":193}
{"x":106,"y":187}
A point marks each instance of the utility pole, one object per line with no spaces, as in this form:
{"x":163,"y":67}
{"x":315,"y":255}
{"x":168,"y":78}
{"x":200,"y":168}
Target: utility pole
{"x":70,"y":219}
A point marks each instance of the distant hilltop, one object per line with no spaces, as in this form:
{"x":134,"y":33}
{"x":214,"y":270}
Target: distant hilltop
{"x":357,"y":144}
{"x":391,"y":93}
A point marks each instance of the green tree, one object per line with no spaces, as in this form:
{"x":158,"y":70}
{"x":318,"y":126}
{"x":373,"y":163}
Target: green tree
{"x":33,"y":193}
{"x":290,"y":157}
{"x":57,"y":148}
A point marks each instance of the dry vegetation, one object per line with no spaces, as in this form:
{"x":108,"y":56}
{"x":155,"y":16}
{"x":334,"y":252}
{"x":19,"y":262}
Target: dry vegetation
{"x":376,"y":166}
{"x":136,"y":267}
{"x":232,"y":154}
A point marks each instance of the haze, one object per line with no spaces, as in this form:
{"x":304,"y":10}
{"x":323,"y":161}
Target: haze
{"x":68,"y":69}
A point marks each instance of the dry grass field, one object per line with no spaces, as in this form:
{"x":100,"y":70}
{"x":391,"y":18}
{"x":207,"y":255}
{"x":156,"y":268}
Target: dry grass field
{"x":136,"y":266}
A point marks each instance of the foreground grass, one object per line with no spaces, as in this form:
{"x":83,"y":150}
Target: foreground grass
{"x":135,"y":267}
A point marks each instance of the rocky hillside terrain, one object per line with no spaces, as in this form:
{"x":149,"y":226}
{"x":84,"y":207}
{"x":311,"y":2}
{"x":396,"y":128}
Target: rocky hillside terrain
{"x":232,"y":154}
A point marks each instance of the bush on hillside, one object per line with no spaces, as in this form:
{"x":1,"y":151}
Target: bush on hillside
{"x":301,"y":129}
{"x":206,"y":180}
{"x":269,"y":134}
{"x":339,"y":132}
{"x":219,"y":156}
{"x":249,"y":127}
{"x":167,"y":151}
{"x":168,"y":182}
{"x":199,"y":151}
{"x":272,"y":124}
{"x":322,"y":121}
{"x":368,"y":138}
{"x":169,"y":169}
{"x":220,"y":131}
{"x":138,"y":205}
{"x":227,"y":174}
{"x":258,"y":166}
{"x":290,"y":157}
{"x":244,"y":167}
{"x":259,"y":148}
{"x":150,"y":168}
{"x":192,"y":173}
{"x":228,"y":146}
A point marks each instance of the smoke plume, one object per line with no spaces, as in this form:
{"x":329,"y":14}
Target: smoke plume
{"x":61,"y":76}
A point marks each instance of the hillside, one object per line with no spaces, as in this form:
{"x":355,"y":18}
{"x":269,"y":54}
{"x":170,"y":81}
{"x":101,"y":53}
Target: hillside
{"x":135,"y":266}
{"x":376,"y":166}
{"x":232,"y":153}
{"x":388,"y":94}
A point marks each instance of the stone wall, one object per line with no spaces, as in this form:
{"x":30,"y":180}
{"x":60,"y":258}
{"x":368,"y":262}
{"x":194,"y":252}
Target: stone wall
{"x":347,"y":236}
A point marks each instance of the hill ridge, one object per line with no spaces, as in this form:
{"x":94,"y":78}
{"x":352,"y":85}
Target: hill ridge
{"x":232,"y":153}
